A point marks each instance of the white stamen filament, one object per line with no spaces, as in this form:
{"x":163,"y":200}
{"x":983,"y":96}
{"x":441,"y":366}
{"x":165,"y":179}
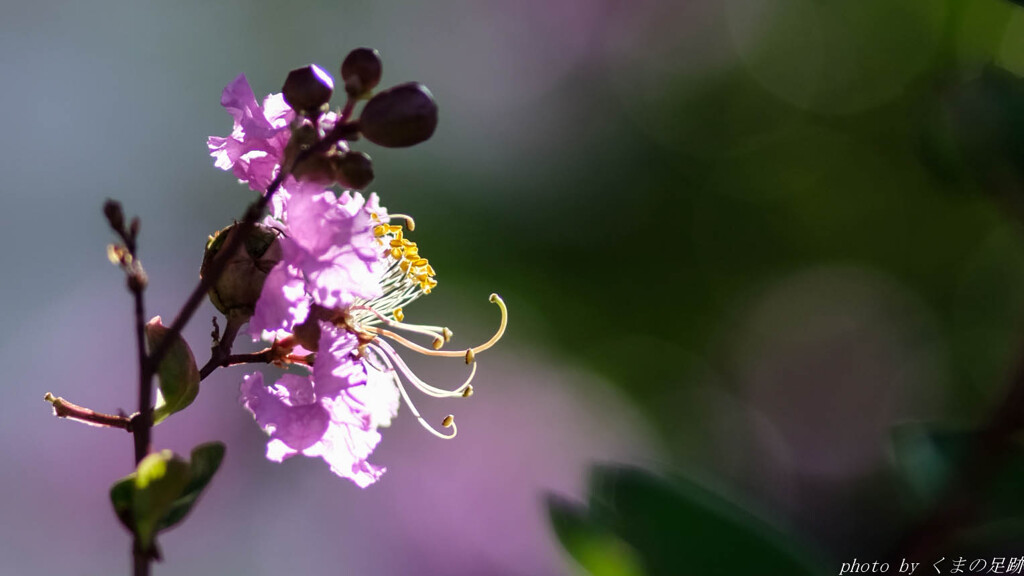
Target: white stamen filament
{"x":409,"y":222}
{"x":399,"y":289}
{"x":382,"y":347}
{"x":434,"y":331}
{"x":408,"y":401}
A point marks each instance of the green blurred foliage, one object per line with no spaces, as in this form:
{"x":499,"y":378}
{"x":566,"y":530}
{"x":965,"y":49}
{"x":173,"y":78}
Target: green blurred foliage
{"x":884,"y":135}
{"x":632,"y":244}
{"x":636,"y":523}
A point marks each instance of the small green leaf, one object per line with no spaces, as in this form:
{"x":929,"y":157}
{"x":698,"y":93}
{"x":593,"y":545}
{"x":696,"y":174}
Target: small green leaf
{"x":178,"y":373}
{"x":595,"y":548}
{"x":121,"y":494}
{"x":159,"y":480}
{"x":162,"y":491}
{"x":206,"y":459}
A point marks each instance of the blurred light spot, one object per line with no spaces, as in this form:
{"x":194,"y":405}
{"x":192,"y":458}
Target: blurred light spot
{"x":834,"y":356}
{"x":836,"y":57}
{"x":1011,"y":53}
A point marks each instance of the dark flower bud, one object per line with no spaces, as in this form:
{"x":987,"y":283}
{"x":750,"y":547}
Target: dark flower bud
{"x":236,"y":291}
{"x":354,"y":170}
{"x":361,"y":72}
{"x":133,"y":228}
{"x":401,"y":116}
{"x":317,"y":168}
{"x":307,"y":89}
{"x":115,"y":216}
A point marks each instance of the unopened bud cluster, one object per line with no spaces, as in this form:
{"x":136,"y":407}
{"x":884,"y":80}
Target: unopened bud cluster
{"x":318,"y":151}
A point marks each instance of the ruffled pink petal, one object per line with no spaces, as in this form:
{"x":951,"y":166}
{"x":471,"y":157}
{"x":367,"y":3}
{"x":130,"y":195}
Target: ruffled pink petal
{"x":282,"y":304}
{"x":338,"y":366}
{"x":331,"y":242}
{"x":255,"y":148}
{"x":287,"y":411}
{"x":346,"y":448}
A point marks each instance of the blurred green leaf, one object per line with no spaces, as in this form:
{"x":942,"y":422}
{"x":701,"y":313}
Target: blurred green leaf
{"x":206,"y":459}
{"x":670,"y":527}
{"x":980,"y":29}
{"x":121,"y":494}
{"x":159,"y":480}
{"x":178,"y":373}
{"x":597,"y":550}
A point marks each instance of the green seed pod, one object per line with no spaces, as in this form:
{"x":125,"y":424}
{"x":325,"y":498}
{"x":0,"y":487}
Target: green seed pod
{"x":236,"y":291}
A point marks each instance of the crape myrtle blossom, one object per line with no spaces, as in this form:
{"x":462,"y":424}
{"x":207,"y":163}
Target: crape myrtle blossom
{"x":328,"y":250}
{"x":334,"y":414}
{"x":256,"y":145}
{"x":345,"y":275}
{"x":258,"y":141}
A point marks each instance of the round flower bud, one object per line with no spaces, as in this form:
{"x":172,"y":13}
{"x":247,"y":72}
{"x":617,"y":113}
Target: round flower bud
{"x":318,"y":168}
{"x":307,"y":89}
{"x":236,"y":291}
{"x":361,"y":72}
{"x":353,"y":170}
{"x":400,"y":116}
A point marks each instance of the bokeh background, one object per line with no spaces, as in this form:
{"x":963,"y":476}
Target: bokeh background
{"x":740,"y":240}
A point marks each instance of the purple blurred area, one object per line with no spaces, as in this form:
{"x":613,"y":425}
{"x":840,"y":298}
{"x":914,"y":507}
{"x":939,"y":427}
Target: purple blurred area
{"x":468,"y":506}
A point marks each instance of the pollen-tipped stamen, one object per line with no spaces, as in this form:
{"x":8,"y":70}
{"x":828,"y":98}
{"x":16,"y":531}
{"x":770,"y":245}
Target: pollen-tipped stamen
{"x":467,"y":354}
{"x":412,"y":407}
{"x":390,"y":355}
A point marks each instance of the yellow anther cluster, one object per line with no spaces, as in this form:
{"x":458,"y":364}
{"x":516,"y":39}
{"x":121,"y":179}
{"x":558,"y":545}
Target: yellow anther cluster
{"x":407,"y":254}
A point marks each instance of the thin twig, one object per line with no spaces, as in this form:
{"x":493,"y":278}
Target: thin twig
{"x":271,"y":355}
{"x":234,"y":242}
{"x":142,"y":422}
{"x":222,"y":349}
{"x":145,"y":416}
{"x":64,"y":409}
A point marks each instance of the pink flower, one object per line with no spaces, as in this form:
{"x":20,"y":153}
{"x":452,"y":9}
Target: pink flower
{"x":332,"y":414}
{"x":330,"y":257}
{"x":256,"y":145}
{"x":344,"y":276}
